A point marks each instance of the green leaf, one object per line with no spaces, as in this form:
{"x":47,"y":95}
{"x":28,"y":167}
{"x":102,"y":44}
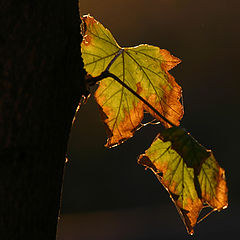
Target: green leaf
{"x":143,"y":68}
{"x":188,"y":171}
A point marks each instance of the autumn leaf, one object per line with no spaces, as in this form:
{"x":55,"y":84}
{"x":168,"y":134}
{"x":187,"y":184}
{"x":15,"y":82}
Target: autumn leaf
{"x":188,"y":171}
{"x":143,"y":68}
{"x":134,"y":80}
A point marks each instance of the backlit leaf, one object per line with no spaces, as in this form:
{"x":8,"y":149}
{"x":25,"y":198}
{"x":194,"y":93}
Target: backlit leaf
{"x":188,"y":171}
{"x":143,"y":68}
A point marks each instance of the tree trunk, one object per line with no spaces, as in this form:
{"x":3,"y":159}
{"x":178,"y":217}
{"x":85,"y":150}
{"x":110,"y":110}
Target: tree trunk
{"x":41,"y":83}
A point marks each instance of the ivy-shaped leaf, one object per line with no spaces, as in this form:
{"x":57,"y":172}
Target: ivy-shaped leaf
{"x":188,"y":171}
{"x":143,"y":68}
{"x":136,"y":79}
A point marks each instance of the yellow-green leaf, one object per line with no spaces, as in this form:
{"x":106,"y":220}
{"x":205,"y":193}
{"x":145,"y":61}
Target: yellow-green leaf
{"x":188,"y":171}
{"x":143,"y":68}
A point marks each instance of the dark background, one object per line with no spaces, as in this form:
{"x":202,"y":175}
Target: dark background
{"x":106,"y":195}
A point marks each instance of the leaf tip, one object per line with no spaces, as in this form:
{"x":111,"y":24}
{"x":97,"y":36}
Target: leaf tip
{"x":88,"y":19}
{"x":87,"y":22}
{"x":170,"y":61}
{"x":221,"y":191}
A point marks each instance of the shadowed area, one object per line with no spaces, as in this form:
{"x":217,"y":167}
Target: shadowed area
{"x":145,"y":223}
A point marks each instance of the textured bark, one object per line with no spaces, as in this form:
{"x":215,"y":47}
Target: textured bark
{"x":41,"y":76}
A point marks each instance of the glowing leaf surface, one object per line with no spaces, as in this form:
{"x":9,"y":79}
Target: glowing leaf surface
{"x":143,"y":68}
{"x":188,"y":171}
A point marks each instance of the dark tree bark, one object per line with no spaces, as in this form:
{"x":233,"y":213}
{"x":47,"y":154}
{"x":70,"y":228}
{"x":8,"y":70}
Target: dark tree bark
{"x":41,"y":83}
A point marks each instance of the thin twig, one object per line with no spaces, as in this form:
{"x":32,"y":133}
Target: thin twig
{"x":106,"y":74}
{"x":140,"y":98}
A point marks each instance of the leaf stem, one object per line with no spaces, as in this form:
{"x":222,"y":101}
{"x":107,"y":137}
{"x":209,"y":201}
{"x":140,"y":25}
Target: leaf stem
{"x":113,"y":60}
{"x":106,"y":74}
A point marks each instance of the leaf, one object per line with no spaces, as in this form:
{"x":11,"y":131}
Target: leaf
{"x":143,"y":68}
{"x":188,"y":171}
